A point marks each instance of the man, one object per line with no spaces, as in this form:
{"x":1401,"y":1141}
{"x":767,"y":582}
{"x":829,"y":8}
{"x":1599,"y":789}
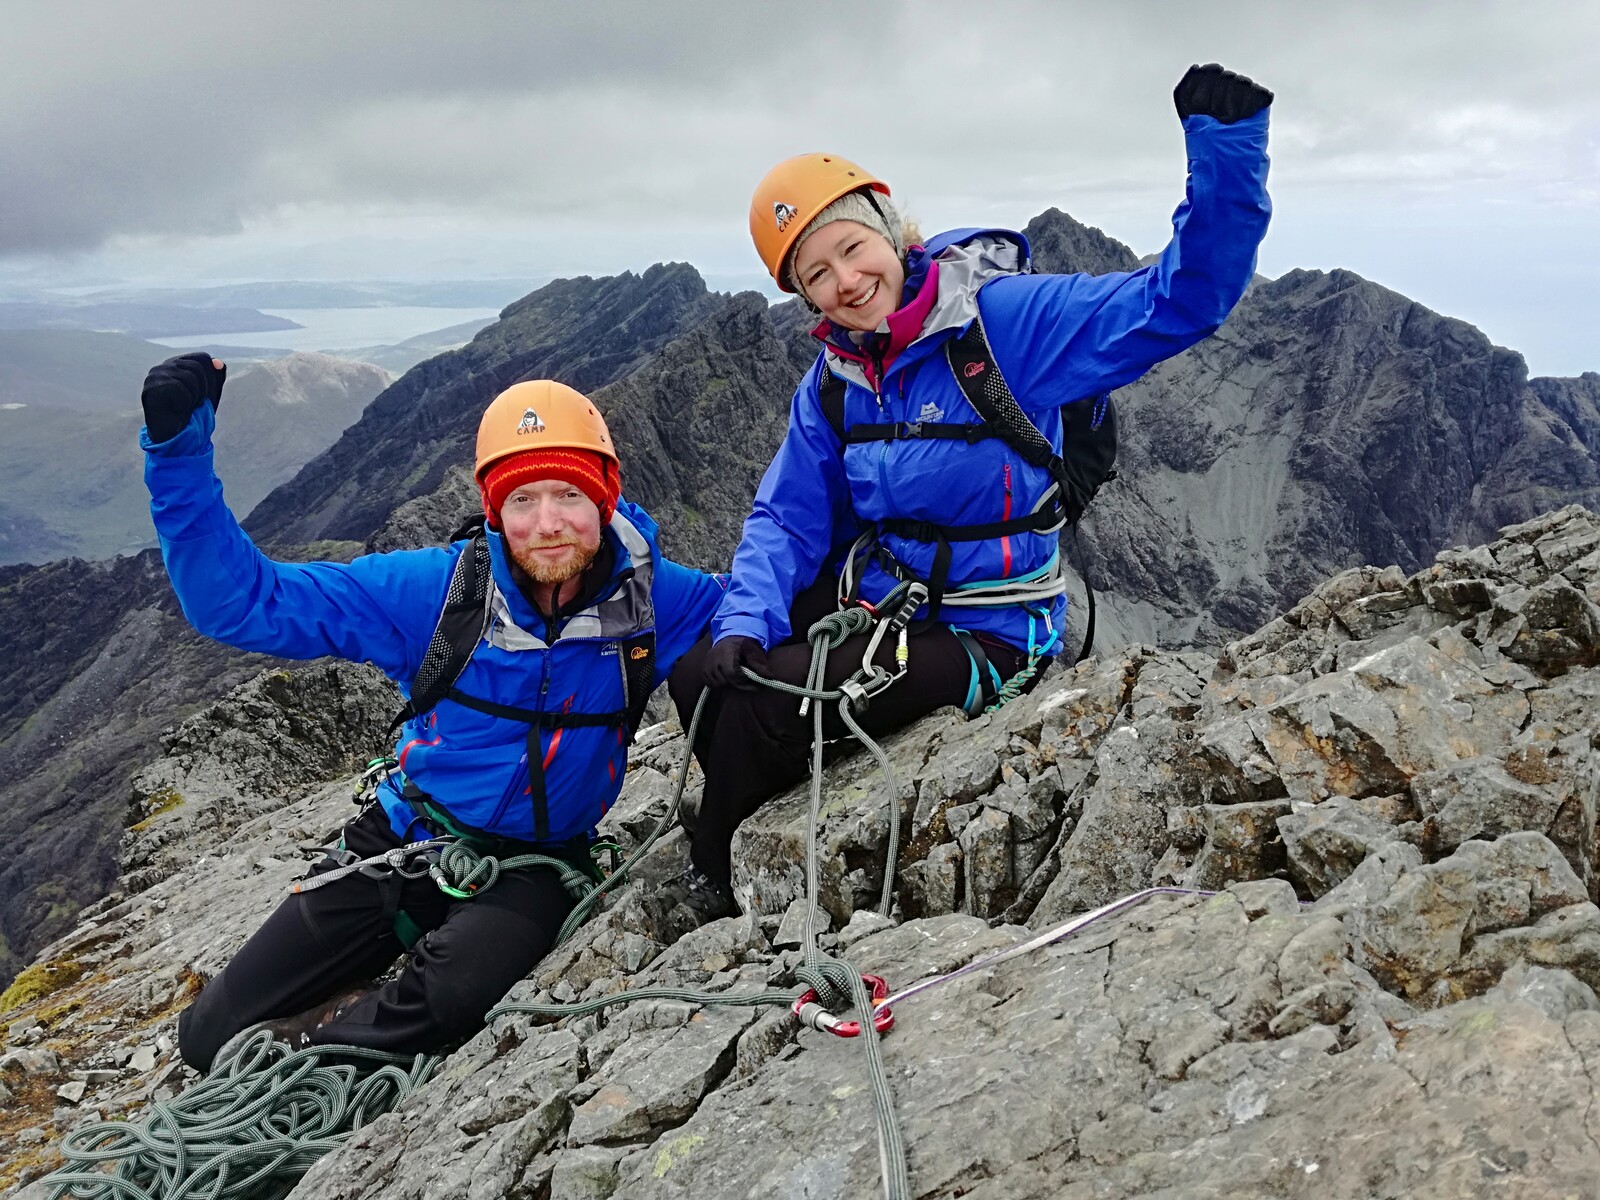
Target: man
{"x":520,"y":748}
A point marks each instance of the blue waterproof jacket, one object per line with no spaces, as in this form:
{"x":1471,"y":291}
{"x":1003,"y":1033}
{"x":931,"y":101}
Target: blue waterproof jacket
{"x":382,"y":609}
{"x":1057,"y":339}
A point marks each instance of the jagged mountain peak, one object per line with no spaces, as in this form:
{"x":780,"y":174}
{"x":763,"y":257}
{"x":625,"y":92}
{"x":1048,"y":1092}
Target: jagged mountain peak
{"x":585,"y":332}
{"x":1062,"y":245}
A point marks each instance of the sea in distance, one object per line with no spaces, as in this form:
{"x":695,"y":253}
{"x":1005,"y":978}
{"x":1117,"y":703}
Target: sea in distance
{"x":341,"y":328}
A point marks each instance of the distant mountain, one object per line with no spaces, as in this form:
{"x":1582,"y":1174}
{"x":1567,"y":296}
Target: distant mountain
{"x":74,"y":479}
{"x":74,"y":368}
{"x":138,"y":318}
{"x":290,"y":293}
{"x":585,"y":332}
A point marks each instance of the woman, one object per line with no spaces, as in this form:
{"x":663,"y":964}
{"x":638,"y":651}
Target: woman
{"x":881,"y":470}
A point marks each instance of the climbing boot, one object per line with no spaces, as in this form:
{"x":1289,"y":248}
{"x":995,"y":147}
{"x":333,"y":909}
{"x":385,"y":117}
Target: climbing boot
{"x":295,"y":1031}
{"x":687,"y":902}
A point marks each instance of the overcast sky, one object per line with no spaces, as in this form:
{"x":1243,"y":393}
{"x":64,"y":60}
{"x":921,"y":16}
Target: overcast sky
{"x":1449,"y":150}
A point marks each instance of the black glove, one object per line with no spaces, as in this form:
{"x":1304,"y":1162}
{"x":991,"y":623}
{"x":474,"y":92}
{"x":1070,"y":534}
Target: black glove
{"x":727,"y":657}
{"x":1211,"y":91}
{"x":175,"y":388}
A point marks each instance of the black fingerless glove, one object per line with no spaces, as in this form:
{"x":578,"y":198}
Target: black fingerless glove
{"x":175,"y":388}
{"x":1211,"y":91}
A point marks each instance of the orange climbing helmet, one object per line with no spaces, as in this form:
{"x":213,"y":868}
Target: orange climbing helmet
{"x":540,"y":414}
{"x":791,"y":195}
{"x":543,"y":429}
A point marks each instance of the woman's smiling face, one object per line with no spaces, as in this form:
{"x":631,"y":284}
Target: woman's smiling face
{"x":851,"y":273}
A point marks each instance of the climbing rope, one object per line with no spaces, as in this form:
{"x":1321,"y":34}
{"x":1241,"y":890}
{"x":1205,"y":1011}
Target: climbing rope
{"x":834,"y":983}
{"x":247,"y":1131}
{"x":262,"y":1117}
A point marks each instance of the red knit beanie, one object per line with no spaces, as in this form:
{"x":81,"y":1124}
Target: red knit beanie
{"x":595,"y":475}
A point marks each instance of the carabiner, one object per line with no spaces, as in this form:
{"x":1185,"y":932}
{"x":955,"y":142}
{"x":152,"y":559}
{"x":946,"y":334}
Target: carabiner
{"x":813,"y":1014}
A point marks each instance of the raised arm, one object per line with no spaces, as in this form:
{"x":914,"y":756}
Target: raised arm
{"x":1059,"y":338}
{"x":377,"y":609}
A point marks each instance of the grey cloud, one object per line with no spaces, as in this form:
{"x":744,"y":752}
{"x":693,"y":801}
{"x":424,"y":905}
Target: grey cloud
{"x":188,"y":119}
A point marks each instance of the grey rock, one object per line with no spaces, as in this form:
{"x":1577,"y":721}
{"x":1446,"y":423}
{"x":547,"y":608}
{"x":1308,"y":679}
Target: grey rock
{"x":72,"y":1092}
{"x":791,"y":933}
{"x":1414,"y":934}
{"x":585,"y":1173}
{"x":765,"y":1040}
{"x":31,"y":1060}
{"x":1551,"y":628}
{"x":1555,"y":992}
{"x":1479,"y":799}
{"x":143,"y":1059}
{"x":1241,"y":842}
{"x":1265,"y":897}
{"x":1120,"y":835}
{"x":656,"y":1078}
{"x":1324,"y":843}
{"x":986,"y":860}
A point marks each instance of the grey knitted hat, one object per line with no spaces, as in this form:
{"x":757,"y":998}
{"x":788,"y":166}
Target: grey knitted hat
{"x":880,"y":217}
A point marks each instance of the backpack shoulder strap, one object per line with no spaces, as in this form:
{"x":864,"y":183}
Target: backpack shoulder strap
{"x":986,"y":390}
{"x":461,"y":625}
{"x":830,"y":391}
{"x":638,"y":674}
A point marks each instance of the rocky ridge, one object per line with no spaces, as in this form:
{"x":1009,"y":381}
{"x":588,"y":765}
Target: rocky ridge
{"x":1395,"y":784}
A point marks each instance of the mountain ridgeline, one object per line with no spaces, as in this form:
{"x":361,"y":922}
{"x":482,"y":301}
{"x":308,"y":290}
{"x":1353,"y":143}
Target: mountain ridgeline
{"x":1329,"y":423}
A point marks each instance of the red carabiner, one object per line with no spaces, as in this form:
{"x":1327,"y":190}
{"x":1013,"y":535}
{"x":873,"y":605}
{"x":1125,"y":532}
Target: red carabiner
{"x":813,"y":1014}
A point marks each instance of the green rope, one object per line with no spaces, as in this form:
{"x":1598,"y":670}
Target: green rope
{"x":249,"y":1129}
{"x":838,"y":985}
{"x":253,"y":1126}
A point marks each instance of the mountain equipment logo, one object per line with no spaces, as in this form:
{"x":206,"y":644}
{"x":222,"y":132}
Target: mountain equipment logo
{"x":973,"y":369}
{"x":784,"y":213}
{"x":931,"y":412}
{"x":530,"y":422}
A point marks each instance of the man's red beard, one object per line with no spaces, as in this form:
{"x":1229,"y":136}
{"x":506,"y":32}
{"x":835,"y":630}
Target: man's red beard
{"x":555,"y":571}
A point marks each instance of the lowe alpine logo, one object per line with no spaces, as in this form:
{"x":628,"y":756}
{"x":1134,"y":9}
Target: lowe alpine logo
{"x":638,"y":653}
{"x":973,"y":369}
{"x":783,"y":214}
{"x":530,"y":422}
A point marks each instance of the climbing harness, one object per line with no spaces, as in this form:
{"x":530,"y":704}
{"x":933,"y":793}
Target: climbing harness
{"x":1086,"y":462}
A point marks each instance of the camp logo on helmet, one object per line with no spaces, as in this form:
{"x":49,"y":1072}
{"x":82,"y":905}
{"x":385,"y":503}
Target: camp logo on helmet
{"x":784,"y":213}
{"x":530,"y":422}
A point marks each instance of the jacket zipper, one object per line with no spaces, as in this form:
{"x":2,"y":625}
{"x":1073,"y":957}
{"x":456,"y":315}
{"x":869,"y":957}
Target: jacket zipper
{"x":1005,"y":542}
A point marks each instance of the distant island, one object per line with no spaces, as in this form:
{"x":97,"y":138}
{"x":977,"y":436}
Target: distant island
{"x":139,"y":320}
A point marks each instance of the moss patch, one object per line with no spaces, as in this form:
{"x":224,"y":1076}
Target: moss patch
{"x":39,"y":981}
{"x":163,"y":801}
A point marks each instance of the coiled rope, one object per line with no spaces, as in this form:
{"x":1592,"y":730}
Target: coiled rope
{"x":258,"y":1121}
{"x":249,"y":1129}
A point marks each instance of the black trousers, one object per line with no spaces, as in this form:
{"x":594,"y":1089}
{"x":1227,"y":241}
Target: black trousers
{"x":753,"y":744}
{"x":321,"y":941}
